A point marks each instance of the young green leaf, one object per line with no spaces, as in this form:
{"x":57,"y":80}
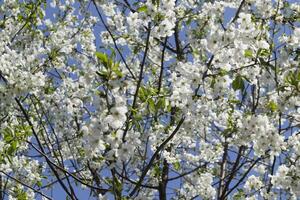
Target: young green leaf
{"x":142,"y":9}
{"x":248,"y":53}
{"x":238,"y":83}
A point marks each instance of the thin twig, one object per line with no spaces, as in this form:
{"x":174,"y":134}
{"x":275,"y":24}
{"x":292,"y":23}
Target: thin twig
{"x":113,"y":38}
{"x":24,"y":184}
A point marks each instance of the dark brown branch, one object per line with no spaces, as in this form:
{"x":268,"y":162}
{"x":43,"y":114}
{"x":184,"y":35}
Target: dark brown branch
{"x":147,"y":168}
{"x":162,"y":188}
{"x":233,"y":171}
{"x":26,"y":23}
{"x":162,"y":65}
{"x":238,"y":12}
{"x":138,"y":83}
{"x":24,"y":184}
{"x":179,"y":51}
{"x":42,"y":149}
{"x":223,"y":170}
{"x":243,"y":177}
{"x":65,"y":171}
{"x":187,"y":173}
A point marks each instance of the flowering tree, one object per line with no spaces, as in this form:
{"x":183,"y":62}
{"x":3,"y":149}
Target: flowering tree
{"x":152,"y":99}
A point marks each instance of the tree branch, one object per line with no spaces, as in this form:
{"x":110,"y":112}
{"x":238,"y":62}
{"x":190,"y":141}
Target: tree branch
{"x":145,"y":171}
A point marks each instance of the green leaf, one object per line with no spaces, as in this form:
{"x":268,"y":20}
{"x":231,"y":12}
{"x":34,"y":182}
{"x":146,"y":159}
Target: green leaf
{"x":49,"y":90}
{"x":272,"y":106}
{"x":293,"y":78}
{"x":2,"y":25}
{"x":110,"y":63}
{"x":142,"y":9}
{"x":177,"y":165}
{"x":239,"y":195}
{"x":116,"y":70}
{"x":142,"y":94}
{"x":10,"y":151}
{"x":151,"y":105}
{"x":234,"y":101}
{"x":118,"y":73}
{"x":248,"y":53}
{"x":238,"y":83}
{"x":212,"y":83}
{"x":223,"y":72}
{"x":263,"y":52}
{"x":21,"y":195}
{"x":153,"y":90}
{"x":136,"y":49}
{"x":155,"y":2}
{"x":8,"y":137}
{"x":159,"y":17}
{"x":39,"y":183}
{"x":103,"y":74}
{"x":169,"y":108}
{"x":189,"y":21}
{"x":161,"y":103}
{"x":156,"y":170}
{"x":102,"y":58}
